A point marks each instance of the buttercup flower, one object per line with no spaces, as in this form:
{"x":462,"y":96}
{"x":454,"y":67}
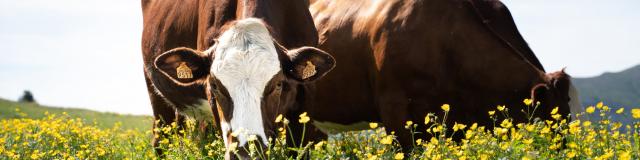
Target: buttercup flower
{"x":304,"y":118}
{"x":527,"y":102}
{"x":445,"y":107}
{"x":373,"y":125}
{"x":279,"y":118}
{"x":590,"y":109}
{"x":399,"y":156}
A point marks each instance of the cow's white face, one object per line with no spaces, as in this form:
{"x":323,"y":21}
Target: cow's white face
{"x":250,"y":79}
{"x":245,"y":61}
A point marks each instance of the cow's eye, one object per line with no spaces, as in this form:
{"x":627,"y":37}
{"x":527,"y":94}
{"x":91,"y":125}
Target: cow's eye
{"x":279,"y":85}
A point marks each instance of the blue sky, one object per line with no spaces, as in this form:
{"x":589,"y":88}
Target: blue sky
{"x":86,"y":53}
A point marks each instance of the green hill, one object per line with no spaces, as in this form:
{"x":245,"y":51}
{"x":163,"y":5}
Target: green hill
{"x":616,"y":89}
{"x":103,"y":119}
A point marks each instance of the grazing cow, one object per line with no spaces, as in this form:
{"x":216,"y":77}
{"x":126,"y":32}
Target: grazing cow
{"x":236,"y":62}
{"x":398,"y":60}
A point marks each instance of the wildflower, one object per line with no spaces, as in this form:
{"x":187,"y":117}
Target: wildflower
{"x":545,"y":130}
{"x":506,"y":123}
{"x":387,"y":140}
{"x":620,"y":111}
{"x":556,"y":116}
{"x":419,"y":141}
{"x":319,"y":145}
{"x":473,"y":126}
{"x":571,"y":154}
{"x":304,"y":118}
{"x":501,"y":108}
{"x":427,"y":119}
{"x":586,"y":123}
{"x":445,"y":107}
{"x":528,"y":141}
{"x":554,"y":111}
{"x":252,"y":138}
{"x":491,"y":113}
{"x":527,"y":102}
{"x":625,"y":155}
{"x":409,"y":123}
{"x":373,"y":125}
{"x":590,"y":109}
{"x":635,"y":113}
{"x":599,"y":105}
{"x":279,"y":118}
{"x":399,"y":156}
{"x":457,"y":126}
{"x":236,"y":132}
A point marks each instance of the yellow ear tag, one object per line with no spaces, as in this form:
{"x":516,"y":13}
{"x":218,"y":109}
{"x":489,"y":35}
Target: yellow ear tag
{"x":183,"y":71}
{"x":308,"y":70}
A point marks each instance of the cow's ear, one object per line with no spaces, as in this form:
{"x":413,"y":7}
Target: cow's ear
{"x":539,"y":92}
{"x":184,"y":66}
{"x":307,"y":64}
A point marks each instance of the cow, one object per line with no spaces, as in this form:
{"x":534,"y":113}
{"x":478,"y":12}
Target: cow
{"x":236,"y":64}
{"x":398,"y":60}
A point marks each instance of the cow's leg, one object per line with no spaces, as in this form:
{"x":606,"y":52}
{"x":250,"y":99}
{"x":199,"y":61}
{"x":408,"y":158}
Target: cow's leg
{"x":163,"y":115}
{"x":394,"y":114}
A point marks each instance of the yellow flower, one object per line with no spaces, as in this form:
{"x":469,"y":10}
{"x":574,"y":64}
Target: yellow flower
{"x":527,"y":102}
{"x":373,"y":125}
{"x":528,"y":141}
{"x":586,"y":123}
{"x":571,"y":154}
{"x":387,"y":140}
{"x":501,"y":108}
{"x":409,"y":123}
{"x":399,"y":156}
{"x":590,"y":109}
{"x":599,"y":105}
{"x":318,"y":145}
{"x":625,"y":155}
{"x":554,"y":111}
{"x":457,"y":126}
{"x":252,"y":138}
{"x":506,"y":123}
{"x":304,"y":118}
{"x":556,"y":116}
{"x":427,"y":119}
{"x":445,"y":107}
{"x":279,"y":118}
{"x":635,"y":113}
{"x":620,"y":111}
{"x":491,"y":113}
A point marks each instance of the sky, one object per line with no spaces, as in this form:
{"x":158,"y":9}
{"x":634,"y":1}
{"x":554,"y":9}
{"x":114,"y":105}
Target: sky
{"x":86,"y":53}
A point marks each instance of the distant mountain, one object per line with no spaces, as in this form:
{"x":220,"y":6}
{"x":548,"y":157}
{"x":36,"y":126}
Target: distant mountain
{"x":620,"y":89}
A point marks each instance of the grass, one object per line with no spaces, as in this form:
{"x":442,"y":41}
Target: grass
{"x":63,"y":136}
{"x":103,"y":119}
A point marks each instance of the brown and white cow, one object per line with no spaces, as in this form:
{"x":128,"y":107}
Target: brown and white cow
{"x":398,"y":60}
{"x":240,"y":62}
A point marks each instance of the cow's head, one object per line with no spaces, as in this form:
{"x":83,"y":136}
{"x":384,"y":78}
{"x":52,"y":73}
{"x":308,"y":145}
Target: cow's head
{"x":250,"y":77}
{"x":558,"y":91}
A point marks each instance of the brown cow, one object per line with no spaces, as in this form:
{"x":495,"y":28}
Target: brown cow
{"x":245,"y":60}
{"x":398,"y":60}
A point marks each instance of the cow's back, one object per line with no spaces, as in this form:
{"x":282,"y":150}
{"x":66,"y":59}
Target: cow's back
{"x":417,"y":55}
